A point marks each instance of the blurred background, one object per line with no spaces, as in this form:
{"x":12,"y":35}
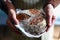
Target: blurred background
{"x":7,"y":34}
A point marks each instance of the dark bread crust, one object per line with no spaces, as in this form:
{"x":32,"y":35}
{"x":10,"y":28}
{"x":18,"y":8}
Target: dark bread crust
{"x":22,"y":17}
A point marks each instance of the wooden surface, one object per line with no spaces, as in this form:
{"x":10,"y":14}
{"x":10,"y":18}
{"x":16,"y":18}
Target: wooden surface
{"x":7,"y":34}
{"x":56,"y":32}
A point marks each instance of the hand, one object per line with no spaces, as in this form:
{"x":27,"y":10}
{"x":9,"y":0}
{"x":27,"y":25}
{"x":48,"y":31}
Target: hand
{"x":49,"y":16}
{"x":13,"y":28}
{"x":12,"y":20}
{"x":13,"y":17}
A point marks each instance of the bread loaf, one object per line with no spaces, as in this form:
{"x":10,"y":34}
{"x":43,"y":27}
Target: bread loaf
{"x":34,"y":25}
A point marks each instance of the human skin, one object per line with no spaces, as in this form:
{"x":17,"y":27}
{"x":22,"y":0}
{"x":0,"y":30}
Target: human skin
{"x":49,"y":15}
{"x":12,"y":15}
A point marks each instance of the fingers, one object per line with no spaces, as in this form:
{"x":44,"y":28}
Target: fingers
{"x":12,"y":26}
{"x":12,"y":16}
{"x":52,"y":22}
{"x":49,"y":22}
{"x":49,"y":10}
{"x":16,"y":21}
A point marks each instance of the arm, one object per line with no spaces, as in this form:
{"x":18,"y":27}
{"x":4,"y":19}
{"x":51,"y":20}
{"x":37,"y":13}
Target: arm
{"x":11,"y":11}
{"x":11,"y":14}
{"x":50,"y":15}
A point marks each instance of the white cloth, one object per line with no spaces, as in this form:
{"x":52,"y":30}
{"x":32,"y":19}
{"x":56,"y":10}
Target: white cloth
{"x":21,"y":27}
{"x":46,"y":36}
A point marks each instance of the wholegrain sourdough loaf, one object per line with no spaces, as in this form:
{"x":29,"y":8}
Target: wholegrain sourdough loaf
{"x":32,"y":23}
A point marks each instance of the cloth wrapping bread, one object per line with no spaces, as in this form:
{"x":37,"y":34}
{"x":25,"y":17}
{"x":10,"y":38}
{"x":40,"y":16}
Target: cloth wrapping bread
{"x":32,"y":22}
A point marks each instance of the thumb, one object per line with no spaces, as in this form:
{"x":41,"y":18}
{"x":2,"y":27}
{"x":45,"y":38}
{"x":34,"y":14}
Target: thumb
{"x":16,"y":21}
